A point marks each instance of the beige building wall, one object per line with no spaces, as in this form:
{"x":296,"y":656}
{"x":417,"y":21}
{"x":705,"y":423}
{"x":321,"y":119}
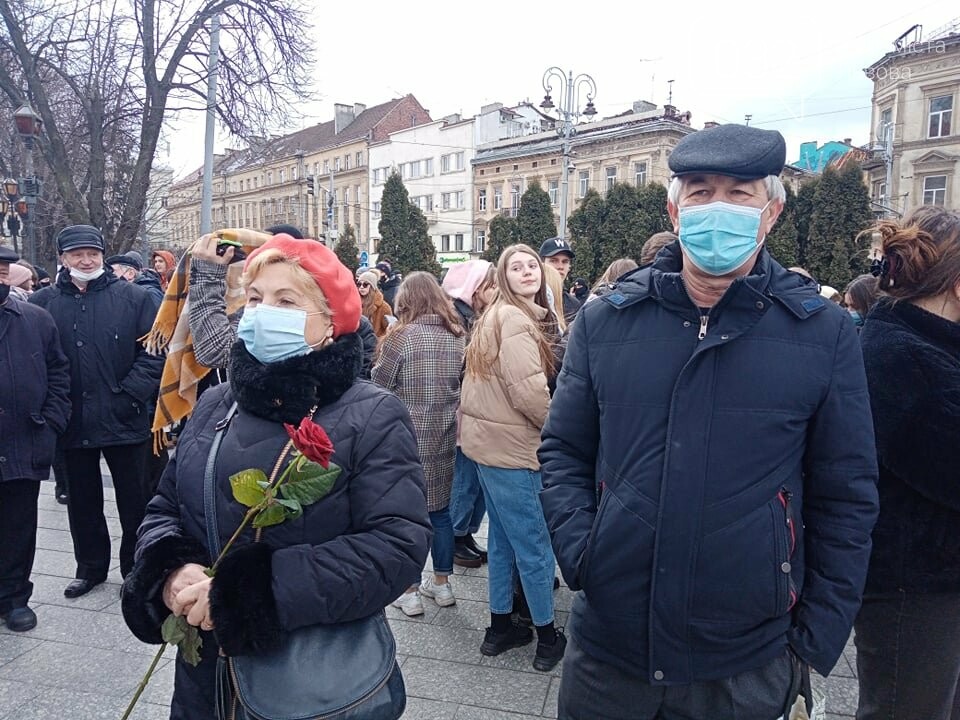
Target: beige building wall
{"x":917,"y":91}
{"x":631,"y":153}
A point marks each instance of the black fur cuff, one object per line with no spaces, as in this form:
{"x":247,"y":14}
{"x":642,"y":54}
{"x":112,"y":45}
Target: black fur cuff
{"x":142,"y":594}
{"x":242,"y":605}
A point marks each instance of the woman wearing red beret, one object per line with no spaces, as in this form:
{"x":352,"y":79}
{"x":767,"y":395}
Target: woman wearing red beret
{"x":349,"y":554}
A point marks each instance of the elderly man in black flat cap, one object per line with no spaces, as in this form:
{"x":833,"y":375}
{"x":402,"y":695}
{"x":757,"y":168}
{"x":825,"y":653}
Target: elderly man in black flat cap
{"x":113,"y":381}
{"x":34,"y":408}
{"x":708,"y":463}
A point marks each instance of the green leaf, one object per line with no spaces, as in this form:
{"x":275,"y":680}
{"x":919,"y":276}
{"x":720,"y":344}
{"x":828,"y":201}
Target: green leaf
{"x":270,"y":515}
{"x":246,"y":486}
{"x":191,"y":644}
{"x":263,"y":484}
{"x":173,"y":629}
{"x":309,"y":483}
{"x":293,"y":507}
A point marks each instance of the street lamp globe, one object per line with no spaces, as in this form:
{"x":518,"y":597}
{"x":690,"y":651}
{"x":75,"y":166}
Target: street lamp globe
{"x":11,"y":187}
{"x":29,"y":124}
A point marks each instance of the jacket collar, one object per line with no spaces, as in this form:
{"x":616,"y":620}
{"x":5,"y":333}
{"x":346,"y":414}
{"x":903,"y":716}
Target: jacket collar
{"x":662,"y":281}
{"x":937,"y":330}
{"x":12,"y":305}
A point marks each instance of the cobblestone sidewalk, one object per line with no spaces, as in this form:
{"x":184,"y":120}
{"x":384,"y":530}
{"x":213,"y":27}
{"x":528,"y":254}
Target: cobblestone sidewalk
{"x":82,"y":663}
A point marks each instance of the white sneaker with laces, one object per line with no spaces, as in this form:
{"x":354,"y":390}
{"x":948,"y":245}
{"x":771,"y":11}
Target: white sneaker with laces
{"x":442,"y":594}
{"x":409,"y":603}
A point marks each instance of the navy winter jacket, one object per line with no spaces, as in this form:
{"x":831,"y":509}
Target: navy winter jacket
{"x":34,"y":393}
{"x":710,"y":482}
{"x":113,"y":379}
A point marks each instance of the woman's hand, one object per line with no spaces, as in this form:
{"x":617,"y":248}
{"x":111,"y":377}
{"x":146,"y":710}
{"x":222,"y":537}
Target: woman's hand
{"x":206,"y":249}
{"x":194,"y":602}
{"x":180,"y":579}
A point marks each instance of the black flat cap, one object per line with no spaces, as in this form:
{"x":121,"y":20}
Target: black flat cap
{"x":127,"y":259}
{"x":739,"y":151}
{"x":7,"y":255}
{"x":555,"y":246}
{"x":76,"y":237}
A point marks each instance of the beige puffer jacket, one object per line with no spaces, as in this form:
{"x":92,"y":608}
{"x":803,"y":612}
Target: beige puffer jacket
{"x":502,"y":414}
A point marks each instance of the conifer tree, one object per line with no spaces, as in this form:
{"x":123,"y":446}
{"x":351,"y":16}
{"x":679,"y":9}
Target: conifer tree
{"x":347,"y":249}
{"x":535,"y":218}
{"x":404,"y":232}
{"x":504,"y":231}
{"x":782,"y":240}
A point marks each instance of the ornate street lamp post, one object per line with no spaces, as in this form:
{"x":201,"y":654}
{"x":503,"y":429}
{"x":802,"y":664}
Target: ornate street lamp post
{"x":570,"y":113}
{"x":29,"y":126}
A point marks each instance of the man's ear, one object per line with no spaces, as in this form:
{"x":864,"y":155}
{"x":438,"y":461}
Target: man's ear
{"x":773,"y":213}
{"x":674,"y":214}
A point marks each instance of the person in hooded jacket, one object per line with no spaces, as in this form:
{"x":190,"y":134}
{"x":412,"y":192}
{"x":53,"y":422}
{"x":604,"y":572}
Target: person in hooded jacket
{"x":716,"y":518}
{"x":163,"y":263}
{"x":113,"y":380}
{"x":472,"y":286}
{"x":350,"y":553}
{"x":908,"y":628}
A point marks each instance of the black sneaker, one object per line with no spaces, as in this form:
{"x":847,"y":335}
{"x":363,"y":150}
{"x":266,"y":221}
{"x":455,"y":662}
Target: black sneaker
{"x":496,"y":643}
{"x":471,"y":543}
{"x":549,"y":655}
{"x":61,"y":493}
{"x":464,"y":556}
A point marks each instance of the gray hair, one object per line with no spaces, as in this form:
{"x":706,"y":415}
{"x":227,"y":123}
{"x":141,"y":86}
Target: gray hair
{"x":774,"y":187}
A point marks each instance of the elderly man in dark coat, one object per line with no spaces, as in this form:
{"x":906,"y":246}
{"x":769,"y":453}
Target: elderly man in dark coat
{"x":708,"y":463}
{"x":113,"y":381}
{"x":34,"y":409}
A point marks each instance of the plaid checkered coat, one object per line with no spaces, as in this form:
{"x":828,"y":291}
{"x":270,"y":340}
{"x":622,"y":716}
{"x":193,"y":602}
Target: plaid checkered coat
{"x":421,"y":363}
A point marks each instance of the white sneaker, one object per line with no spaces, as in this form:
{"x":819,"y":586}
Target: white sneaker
{"x":409,"y":603}
{"x":442,"y":594}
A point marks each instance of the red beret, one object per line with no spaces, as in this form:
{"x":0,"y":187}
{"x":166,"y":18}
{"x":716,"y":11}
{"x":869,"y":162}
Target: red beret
{"x":334,"y":279}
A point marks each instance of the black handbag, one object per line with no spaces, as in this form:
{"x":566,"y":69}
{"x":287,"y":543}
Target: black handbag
{"x":345,"y":671}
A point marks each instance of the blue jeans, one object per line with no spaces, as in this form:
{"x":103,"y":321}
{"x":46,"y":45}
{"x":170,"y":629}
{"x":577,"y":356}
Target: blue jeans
{"x":517,"y":542}
{"x":466,"y":498}
{"x":442,"y":548}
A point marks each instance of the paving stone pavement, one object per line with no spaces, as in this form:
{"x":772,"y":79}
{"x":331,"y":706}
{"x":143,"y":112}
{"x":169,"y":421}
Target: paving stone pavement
{"x":81,"y":661}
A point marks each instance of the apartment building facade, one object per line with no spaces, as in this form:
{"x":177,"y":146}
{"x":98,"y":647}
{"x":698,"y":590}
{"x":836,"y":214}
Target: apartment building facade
{"x":632,"y":147}
{"x":914,"y":155}
{"x":315,"y":178}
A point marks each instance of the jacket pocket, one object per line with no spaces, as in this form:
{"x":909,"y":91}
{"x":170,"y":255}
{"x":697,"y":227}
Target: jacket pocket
{"x":44,"y":442}
{"x":789,"y":594}
{"x":743,"y":569}
{"x":126,"y":409}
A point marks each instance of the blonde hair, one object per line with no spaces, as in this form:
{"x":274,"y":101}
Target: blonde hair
{"x":617,"y":269}
{"x":302,"y":279}
{"x":553,"y":280}
{"x":480,"y":356}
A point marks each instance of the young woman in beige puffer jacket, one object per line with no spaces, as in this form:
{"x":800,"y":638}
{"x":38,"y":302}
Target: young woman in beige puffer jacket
{"x":504,"y":405}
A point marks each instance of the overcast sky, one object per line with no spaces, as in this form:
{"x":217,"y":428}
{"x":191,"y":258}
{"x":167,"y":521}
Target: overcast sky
{"x":796,"y":67}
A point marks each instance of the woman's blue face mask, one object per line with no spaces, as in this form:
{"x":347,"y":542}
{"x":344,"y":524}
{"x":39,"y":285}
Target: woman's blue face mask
{"x":272,"y":334}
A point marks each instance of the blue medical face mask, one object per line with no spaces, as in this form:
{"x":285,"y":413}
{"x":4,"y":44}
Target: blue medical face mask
{"x":857,"y":317}
{"x":272,"y":334}
{"x":720,"y":237}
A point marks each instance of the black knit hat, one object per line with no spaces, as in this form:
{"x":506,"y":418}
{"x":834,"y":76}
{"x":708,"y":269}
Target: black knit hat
{"x":76,"y":237}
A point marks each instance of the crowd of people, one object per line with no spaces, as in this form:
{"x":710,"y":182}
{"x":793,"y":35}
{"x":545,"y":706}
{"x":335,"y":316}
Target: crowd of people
{"x":731,"y":464}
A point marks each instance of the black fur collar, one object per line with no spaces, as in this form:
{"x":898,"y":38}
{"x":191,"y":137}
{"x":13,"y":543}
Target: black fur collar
{"x":286,"y":391}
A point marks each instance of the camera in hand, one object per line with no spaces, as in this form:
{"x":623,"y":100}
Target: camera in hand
{"x":238,"y":253}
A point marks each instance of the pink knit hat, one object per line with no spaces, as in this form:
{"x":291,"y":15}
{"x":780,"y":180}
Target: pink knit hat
{"x":18,"y":275}
{"x":463,"y":279}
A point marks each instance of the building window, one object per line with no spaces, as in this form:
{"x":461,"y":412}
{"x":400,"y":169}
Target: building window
{"x":553,"y":191}
{"x":514,"y":199}
{"x":458,"y":242}
{"x":336,"y":164}
{"x":611,"y":178}
{"x":458,"y":161}
{"x":452,"y":200}
{"x":880,"y":192}
{"x":376,"y":210}
{"x":553,"y":161}
{"x":326,"y":167}
{"x":444,"y":243}
{"x":293,"y":173}
{"x":360,"y":158}
{"x":451,"y":163}
{"x":498,"y":198}
{"x":481,"y":244}
{"x":346,"y":196}
{"x":584,"y":182}
{"x":346,"y":162}
{"x":376,"y":176}
{"x":941,"y":113}
{"x":282,"y":176}
{"x":934,"y":189}
{"x":270,"y":178}
{"x":428,"y":167}
{"x":481,"y":200}
{"x":640,"y":174}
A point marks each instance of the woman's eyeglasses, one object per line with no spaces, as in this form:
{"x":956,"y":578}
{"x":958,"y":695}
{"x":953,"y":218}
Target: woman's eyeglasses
{"x":363,"y":285}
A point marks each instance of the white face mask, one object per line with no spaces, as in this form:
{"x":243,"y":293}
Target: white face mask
{"x":86,"y":276}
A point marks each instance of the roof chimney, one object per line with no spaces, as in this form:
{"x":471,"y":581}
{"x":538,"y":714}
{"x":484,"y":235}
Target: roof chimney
{"x":343,"y":115}
{"x":669,"y":111}
{"x":847,"y":141}
{"x":642,"y":106}
{"x":358,"y":110}
{"x":710,"y":124}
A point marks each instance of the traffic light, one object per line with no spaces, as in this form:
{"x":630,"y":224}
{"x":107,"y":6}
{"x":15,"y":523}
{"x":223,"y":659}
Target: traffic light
{"x":311,"y":187}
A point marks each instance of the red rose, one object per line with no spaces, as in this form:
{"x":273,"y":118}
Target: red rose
{"x":311,"y":440}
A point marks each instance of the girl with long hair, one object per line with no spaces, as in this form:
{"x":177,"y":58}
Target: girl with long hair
{"x":504,"y":406}
{"x":419,"y":360}
{"x":908,"y":628}
{"x":372,"y":304}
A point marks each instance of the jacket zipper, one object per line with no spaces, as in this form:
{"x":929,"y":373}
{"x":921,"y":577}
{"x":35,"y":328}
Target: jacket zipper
{"x":704,"y":319}
{"x":786,"y":498}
